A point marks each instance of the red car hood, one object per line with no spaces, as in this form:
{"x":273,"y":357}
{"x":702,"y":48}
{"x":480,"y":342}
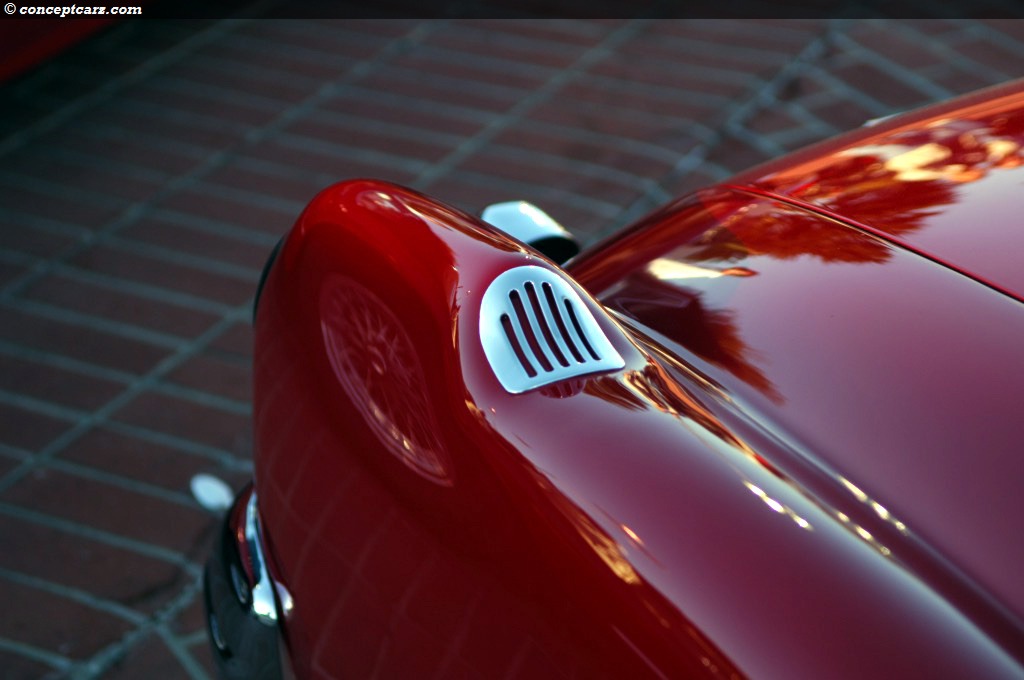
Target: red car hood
{"x":881,"y":348}
{"x":945,"y":182}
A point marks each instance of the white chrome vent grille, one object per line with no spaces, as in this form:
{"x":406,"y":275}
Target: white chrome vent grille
{"x":536,"y":330}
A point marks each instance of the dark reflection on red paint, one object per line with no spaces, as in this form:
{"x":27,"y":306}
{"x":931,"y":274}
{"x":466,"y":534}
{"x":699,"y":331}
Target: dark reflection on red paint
{"x":376,"y":363}
{"x":680,"y":313}
{"x":697,"y":255}
{"x":895,"y":182}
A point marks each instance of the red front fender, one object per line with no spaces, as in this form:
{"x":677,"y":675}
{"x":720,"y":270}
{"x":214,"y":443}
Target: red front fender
{"x":627,"y":523}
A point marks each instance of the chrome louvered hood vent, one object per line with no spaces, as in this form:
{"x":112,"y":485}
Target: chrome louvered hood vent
{"x":536,"y":330}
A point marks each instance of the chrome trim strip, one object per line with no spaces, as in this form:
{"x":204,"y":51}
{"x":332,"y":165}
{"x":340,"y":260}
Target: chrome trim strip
{"x":264,"y":604}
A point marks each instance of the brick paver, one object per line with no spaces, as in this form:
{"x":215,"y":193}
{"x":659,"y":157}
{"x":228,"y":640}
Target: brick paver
{"x":146,"y":173}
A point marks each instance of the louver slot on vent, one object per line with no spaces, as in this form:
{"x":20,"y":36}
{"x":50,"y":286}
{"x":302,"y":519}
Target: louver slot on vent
{"x":536,"y":330}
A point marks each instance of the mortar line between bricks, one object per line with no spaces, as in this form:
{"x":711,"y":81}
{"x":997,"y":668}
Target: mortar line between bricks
{"x":74,"y":594}
{"x":157,"y":113}
{"x":391,"y":129}
{"x":770,"y":147}
{"x":399,"y":100}
{"x":238,"y":271}
{"x":335,"y":150}
{"x":444,"y":84}
{"x":106,"y":91}
{"x":84,"y":242}
{"x":229,"y":356}
{"x":45,"y":187}
{"x":199,"y":637}
{"x":974,"y":30}
{"x":765,"y":96}
{"x":497,"y":65}
{"x":798,"y":137}
{"x":203,"y":398}
{"x":220,"y":158}
{"x":14,"y":452}
{"x":598,"y":207}
{"x":214,"y":227}
{"x":272,"y":169}
{"x":307,"y":53}
{"x":137,"y":387}
{"x":639,"y":147}
{"x":240,"y":97}
{"x":828,"y":81}
{"x":126,"y":483}
{"x":698,"y":129}
{"x":170,"y":256}
{"x":707,"y":99}
{"x":93,"y":322}
{"x":41,"y":406}
{"x":770,"y":144}
{"x":86,"y":162}
{"x":287,"y":207}
{"x":220,"y":456}
{"x":18,"y":258}
{"x":96,"y":198}
{"x":25,"y":220}
{"x":442,"y":54}
{"x":685,"y":49}
{"x":893,"y":69}
{"x":806,"y":119}
{"x":228,"y":65}
{"x":517,"y":112}
{"x":978,"y":30}
{"x":142,"y":290}
{"x":110,"y":132}
{"x":185,"y":658}
{"x":197,"y":645}
{"x":655,"y":152}
{"x":100,"y":536}
{"x":588,"y":169}
{"x":31,"y":354}
{"x":44,"y":656}
{"x":741,"y":111}
{"x":275,"y":76}
{"x":103,"y":660}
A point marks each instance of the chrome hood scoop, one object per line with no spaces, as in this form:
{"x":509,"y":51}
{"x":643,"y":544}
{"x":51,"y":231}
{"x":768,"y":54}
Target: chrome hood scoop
{"x":535,"y":331}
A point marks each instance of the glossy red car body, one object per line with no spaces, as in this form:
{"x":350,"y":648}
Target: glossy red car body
{"x":809,"y":465}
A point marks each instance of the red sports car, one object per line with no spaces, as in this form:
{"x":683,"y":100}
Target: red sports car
{"x":773,"y":429}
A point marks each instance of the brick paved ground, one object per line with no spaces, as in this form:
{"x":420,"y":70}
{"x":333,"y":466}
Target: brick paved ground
{"x":146,"y":173}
